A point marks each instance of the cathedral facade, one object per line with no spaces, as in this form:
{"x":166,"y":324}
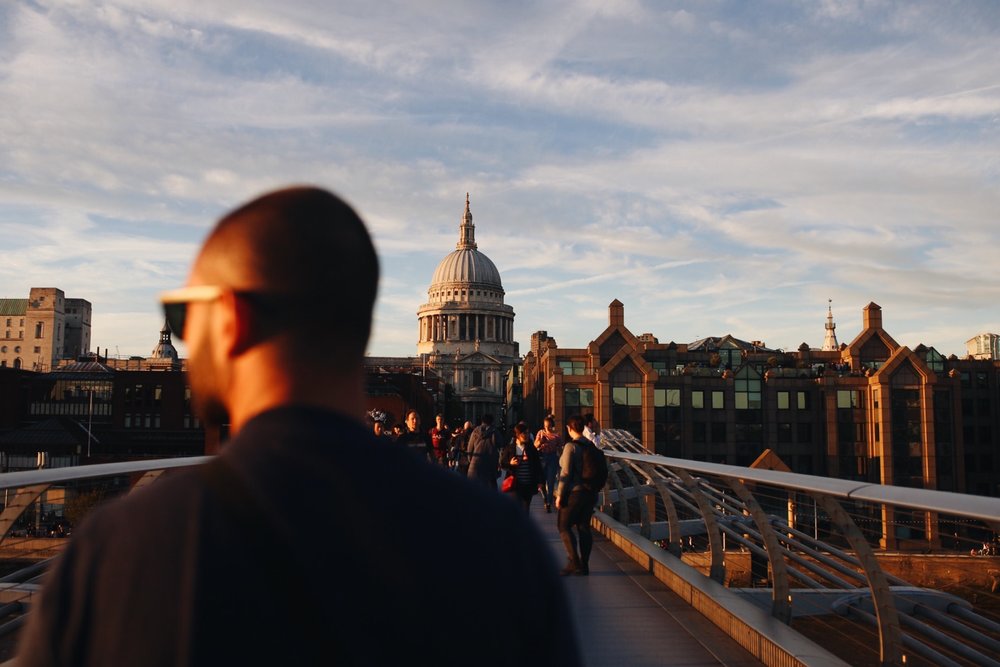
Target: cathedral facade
{"x":466,"y":331}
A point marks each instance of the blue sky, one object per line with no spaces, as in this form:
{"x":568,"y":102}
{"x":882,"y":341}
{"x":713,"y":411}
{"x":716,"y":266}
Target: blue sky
{"x":718,"y":166}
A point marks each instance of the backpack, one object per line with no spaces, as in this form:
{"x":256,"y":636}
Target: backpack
{"x":594,"y":472}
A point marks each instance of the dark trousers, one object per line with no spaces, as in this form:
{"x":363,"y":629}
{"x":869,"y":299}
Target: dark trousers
{"x":576,"y":513}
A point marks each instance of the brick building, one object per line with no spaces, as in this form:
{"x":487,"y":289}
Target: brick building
{"x":872,"y":410}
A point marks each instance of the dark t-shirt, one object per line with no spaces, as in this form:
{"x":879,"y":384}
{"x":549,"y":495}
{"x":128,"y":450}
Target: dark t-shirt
{"x":360,"y":554}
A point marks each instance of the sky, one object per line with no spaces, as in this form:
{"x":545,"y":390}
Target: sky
{"x":720,"y":167}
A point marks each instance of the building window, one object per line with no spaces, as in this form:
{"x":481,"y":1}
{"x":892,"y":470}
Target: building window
{"x":39,"y":329}
{"x":731,"y":358}
{"x":697,"y":399}
{"x":578,"y":400}
{"x":573,"y":367}
{"x":477,"y":378}
{"x":669,"y":398}
{"x":38,"y":350}
{"x":934,"y":360}
{"x":783,"y":402}
{"x":747,"y":389}
{"x":626,"y":409}
{"x":802,"y":400}
{"x":718,"y":400}
{"x":847,"y":398}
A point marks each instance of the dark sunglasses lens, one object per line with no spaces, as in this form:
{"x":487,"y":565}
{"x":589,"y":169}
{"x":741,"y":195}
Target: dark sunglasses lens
{"x":176,"y":313}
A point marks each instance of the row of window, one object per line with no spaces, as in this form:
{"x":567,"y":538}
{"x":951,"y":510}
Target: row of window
{"x":152,"y":420}
{"x":461,"y":294}
{"x":71,"y":409}
{"x":632,"y":396}
{"x":39,"y":330}
{"x":137,"y":395}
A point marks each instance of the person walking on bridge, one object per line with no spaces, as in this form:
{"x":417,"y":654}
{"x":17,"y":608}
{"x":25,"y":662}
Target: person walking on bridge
{"x":575,"y":501}
{"x":286,"y":548}
{"x":484,"y":453}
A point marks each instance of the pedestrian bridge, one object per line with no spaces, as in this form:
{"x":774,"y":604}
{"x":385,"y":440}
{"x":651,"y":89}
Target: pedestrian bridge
{"x":695,"y":563}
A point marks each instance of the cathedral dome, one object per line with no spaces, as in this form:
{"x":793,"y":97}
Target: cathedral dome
{"x":466,"y":265}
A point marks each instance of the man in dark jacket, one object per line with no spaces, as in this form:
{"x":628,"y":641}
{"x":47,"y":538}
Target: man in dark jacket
{"x":484,"y":453}
{"x":575,"y":502}
{"x":283,"y":549}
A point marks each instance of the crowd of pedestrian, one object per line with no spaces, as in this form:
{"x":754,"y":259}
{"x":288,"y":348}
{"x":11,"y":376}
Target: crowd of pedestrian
{"x":561,"y":467}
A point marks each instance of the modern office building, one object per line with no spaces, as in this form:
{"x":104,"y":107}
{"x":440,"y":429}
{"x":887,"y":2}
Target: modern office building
{"x":984,"y":346}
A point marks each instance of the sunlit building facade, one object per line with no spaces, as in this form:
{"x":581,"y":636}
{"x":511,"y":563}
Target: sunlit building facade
{"x":872,"y":410}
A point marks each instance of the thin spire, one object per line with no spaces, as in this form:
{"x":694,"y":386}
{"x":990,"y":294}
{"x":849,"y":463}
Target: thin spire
{"x":466,"y":230}
{"x":830,"y":341}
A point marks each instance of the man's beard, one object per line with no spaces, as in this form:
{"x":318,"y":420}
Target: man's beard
{"x":206,"y":396}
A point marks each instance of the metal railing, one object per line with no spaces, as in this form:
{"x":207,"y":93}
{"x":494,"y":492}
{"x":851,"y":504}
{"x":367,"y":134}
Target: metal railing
{"x":875,"y":574}
{"x":28,"y":540}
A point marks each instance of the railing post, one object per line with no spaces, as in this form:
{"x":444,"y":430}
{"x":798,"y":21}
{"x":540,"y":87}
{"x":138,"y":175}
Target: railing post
{"x":622,"y":503}
{"x":717,"y":570}
{"x":674,"y":543}
{"x":889,"y":632}
{"x":644,"y":523}
{"x":781,"y":601}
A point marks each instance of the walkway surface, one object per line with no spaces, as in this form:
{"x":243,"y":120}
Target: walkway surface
{"x":626,"y":618}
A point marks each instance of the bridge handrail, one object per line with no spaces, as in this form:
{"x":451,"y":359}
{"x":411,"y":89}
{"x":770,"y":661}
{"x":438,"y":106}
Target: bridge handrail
{"x":13,"y":480}
{"x":982,"y":508}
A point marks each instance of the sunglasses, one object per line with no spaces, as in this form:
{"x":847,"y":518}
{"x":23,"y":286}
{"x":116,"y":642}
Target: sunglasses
{"x":175,"y":303}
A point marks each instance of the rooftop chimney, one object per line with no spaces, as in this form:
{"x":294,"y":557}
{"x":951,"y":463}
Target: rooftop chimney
{"x":616,"y":313}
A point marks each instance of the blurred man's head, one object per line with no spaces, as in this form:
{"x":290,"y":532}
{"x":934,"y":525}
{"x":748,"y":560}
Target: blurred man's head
{"x":293,"y":272}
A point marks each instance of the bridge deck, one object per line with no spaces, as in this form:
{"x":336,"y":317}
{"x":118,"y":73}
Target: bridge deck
{"x":624,"y":616}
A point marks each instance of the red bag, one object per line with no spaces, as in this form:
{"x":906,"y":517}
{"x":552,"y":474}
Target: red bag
{"x":508,"y":484}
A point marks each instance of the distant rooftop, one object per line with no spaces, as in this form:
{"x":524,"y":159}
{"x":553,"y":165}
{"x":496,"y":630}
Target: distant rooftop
{"x":9,"y":307}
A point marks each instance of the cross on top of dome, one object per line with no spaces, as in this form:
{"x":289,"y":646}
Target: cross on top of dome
{"x":467,"y":230}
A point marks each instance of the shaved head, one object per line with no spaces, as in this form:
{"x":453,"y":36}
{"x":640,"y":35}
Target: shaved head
{"x":307,"y":265}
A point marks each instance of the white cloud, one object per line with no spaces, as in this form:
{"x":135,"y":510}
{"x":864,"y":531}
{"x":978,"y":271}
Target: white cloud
{"x":716,"y":167}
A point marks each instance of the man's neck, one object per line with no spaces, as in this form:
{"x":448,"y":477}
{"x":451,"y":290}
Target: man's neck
{"x":258,"y":387}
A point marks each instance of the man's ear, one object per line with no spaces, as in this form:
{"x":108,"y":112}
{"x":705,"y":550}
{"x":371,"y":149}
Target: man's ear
{"x":243,"y":325}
